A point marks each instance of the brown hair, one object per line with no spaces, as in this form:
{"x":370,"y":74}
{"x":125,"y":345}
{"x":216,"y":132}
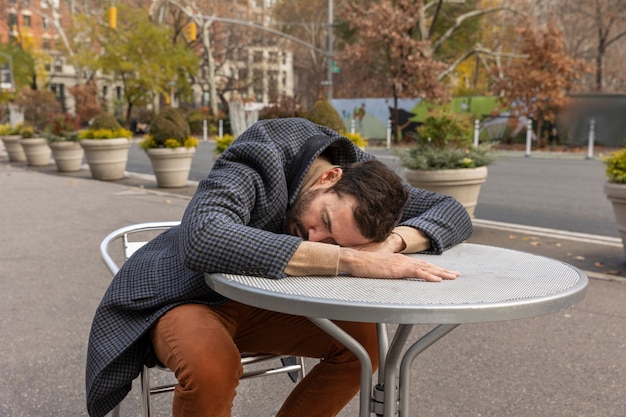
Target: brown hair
{"x":380,"y":195}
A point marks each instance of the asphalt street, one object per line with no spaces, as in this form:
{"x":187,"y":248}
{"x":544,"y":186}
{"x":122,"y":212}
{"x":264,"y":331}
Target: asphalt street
{"x":561,"y":191}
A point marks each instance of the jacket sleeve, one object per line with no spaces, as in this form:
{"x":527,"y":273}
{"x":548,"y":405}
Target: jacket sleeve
{"x":442,"y":218}
{"x":234,"y":222}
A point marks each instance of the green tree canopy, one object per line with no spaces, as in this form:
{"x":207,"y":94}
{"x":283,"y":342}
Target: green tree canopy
{"x":144,"y":57}
{"x":23,"y":68}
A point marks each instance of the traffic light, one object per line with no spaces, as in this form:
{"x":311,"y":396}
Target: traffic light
{"x":193,"y":31}
{"x":113,"y":17}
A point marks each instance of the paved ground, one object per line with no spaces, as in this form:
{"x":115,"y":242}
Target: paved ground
{"x":571,"y":363}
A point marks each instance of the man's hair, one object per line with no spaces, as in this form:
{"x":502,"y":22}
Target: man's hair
{"x":380,"y":196}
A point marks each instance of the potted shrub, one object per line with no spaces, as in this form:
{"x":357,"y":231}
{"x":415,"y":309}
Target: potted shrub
{"x":106,"y":146}
{"x":615,"y":189}
{"x":445,"y":161}
{"x":35,"y":147}
{"x":63,"y":140}
{"x":170,"y":147}
{"x":323,"y":113}
{"x":11,"y":140}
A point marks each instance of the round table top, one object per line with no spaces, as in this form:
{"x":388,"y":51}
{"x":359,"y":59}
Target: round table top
{"x":496,"y":284}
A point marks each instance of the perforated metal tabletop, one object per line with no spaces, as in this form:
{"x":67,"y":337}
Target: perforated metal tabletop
{"x":495,"y":284}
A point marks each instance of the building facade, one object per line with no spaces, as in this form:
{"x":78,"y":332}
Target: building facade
{"x":255,"y":71}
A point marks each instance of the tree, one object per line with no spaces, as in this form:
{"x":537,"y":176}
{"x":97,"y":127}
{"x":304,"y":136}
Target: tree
{"x":144,"y":58}
{"x":307,"y":20}
{"x":392,"y":56}
{"x":594,"y":26}
{"x":538,"y":86}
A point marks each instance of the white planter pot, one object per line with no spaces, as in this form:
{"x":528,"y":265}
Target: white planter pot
{"x":14,"y":148}
{"x":616,"y":194}
{"x":107,"y":158}
{"x":462,"y":184}
{"x":37,"y":151}
{"x":171,"y":166}
{"x":68,"y":156}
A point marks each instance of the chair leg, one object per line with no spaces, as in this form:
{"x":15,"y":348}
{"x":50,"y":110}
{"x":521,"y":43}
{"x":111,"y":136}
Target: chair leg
{"x":146,"y":408}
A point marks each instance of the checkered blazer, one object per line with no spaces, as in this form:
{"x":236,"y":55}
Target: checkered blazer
{"x":233,"y":224}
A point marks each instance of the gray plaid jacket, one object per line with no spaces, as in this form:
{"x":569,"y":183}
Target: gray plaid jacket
{"x":233,"y":224}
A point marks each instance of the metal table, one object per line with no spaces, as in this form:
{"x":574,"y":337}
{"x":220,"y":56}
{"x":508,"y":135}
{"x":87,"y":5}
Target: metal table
{"x":495,"y":285}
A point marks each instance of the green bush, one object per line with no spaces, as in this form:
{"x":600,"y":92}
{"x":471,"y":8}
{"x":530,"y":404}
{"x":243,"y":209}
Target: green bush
{"x":445,"y":142}
{"x":616,"y":167}
{"x":222,"y":143}
{"x":169,"y":129}
{"x":445,"y":130}
{"x":323,"y":113}
{"x":356,"y":138}
{"x":423,"y":157}
{"x":196,"y":120}
{"x":5,"y":129}
{"x":104,"y":134}
{"x":105,"y":120}
{"x":170,"y":123}
{"x":27,"y":131}
{"x":62,"y":129}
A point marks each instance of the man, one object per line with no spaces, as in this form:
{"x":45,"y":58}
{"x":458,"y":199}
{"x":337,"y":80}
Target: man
{"x":288,"y":197}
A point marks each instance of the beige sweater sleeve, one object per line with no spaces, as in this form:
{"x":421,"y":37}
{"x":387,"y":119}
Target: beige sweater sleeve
{"x":415,"y":240}
{"x":314,"y":258}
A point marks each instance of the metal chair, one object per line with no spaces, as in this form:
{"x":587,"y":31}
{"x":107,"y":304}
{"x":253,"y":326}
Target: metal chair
{"x":132,"y":238}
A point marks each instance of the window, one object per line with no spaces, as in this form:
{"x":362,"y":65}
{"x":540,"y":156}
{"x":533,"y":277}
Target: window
{"x":12,"y":19}
{"x":58,"y":65}
{"x":26,"y":20}
{"x":47,"y":44}
{"x":45,"y":23}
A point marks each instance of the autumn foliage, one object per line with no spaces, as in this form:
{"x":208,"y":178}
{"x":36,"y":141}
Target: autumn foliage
{"x":538,"y":85}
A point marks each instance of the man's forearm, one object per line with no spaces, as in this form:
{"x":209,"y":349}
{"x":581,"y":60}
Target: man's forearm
{"x":314,"y":258}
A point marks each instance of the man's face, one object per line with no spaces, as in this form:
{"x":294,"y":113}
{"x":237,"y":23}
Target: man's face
{"x":320,"y":216}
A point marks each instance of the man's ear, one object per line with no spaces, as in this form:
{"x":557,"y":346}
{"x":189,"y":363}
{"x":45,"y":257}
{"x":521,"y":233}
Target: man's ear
{"x":330,"y":176}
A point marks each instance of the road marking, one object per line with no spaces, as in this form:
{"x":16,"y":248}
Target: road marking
{"x":560,"y":234}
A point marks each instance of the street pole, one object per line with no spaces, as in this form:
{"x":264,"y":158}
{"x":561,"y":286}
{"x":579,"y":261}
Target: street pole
{"x":330,"y":50}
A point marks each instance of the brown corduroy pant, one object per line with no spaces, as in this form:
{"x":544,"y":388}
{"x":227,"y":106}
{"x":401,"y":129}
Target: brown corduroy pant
{"x":202,"y":346}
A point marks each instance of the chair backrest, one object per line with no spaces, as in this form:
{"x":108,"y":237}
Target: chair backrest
{"x":132,"y":238}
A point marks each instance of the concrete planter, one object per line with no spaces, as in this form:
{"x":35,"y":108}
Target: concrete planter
{"x":37,"y":151}
{"x":616,"y":194}
{"x":107,"y":158}
{"x":171,"y":166}
{"x":68,"y":156}
{"x":462,"y":184}
{"x":14,"y":148}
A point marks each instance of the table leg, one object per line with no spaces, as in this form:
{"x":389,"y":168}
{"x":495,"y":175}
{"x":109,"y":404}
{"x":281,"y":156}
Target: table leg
{"x":355,"y":347}
{"x":407,"y":361}
{"x":383,"y":348}
{"x":388,"y":385}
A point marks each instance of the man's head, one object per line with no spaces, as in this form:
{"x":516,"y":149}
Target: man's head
{"x":350,"y":206}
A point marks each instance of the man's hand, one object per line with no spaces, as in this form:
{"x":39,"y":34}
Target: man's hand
{"x":390,"y":265}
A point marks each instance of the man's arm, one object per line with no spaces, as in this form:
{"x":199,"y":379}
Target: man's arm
{"x":442,"y":219}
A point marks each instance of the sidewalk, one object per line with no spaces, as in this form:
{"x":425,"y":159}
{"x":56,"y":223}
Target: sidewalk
{"x":570,"y":363}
